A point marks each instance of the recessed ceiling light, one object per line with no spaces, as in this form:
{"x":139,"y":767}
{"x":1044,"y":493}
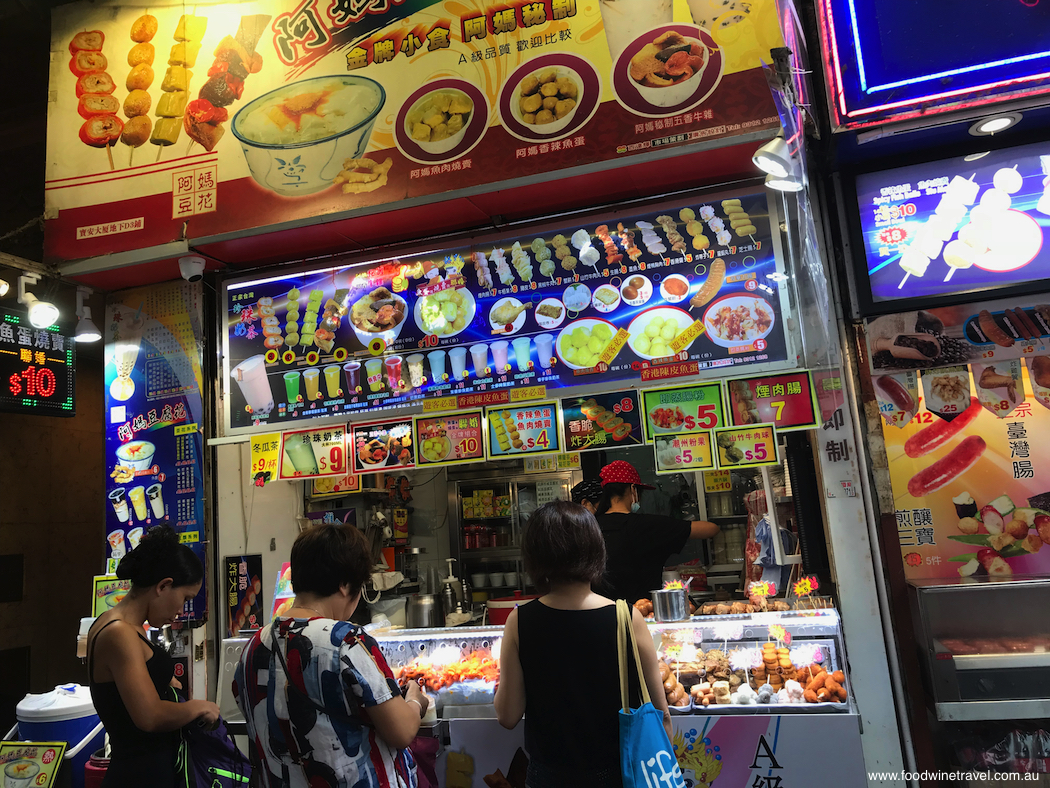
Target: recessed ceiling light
{"x":995,"y":124}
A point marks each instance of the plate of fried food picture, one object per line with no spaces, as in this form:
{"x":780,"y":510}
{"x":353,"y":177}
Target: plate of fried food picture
{"x":549,"y":97}
{"x":373,"y":453}
{"x":667,"y":70}
{"x":377,"y":313}
{"x":550,"y":313}
{"x":738,"y":319}
{"x":508,"y":315}
{"x":441,"y":121}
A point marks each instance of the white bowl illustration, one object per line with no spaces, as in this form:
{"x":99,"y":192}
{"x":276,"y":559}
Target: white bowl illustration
{"x":305,"y":154}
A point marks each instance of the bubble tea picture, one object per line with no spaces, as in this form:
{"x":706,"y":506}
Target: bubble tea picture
{"x":120,"y":504}
{"x":300,"y":452}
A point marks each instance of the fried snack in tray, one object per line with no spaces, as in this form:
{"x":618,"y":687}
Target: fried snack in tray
{"x":478,"y":665}
{"x":373,"y":177}
{"x":645,"y":607}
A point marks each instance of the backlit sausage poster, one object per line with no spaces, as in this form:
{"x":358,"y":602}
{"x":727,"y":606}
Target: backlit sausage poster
{"x":971,"y":496}
{"x":177,"y":121}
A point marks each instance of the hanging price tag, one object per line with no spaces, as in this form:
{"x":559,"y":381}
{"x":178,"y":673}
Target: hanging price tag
{"x":747,"y":447}
{"x":717,"y":481}
{"x":306,"y":454}
{"x":690,"y":451}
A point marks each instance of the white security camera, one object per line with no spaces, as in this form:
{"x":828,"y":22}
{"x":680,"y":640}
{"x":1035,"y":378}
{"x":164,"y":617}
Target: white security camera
{"x":192,"y":268}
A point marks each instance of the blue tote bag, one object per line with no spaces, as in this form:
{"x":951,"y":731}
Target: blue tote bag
{"x":647,"y":759}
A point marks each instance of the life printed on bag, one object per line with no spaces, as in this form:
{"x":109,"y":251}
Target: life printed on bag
{"x":671,"y":778}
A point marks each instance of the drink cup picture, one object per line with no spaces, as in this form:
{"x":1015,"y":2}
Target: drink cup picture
{"x":393,"y":372}
{"x":301,"y":454}
{"x":134,"y":537}
{"x":374,"y":370}
{"x":116,"y":544}
{"x":458,"y":357}
{"x":714,"y":14}
{"x":437,"y":365}
{"x":625,"y":20}
{"x":251,"y":377}
{"x":545,"y":349}
{"x":479,"y":354}
{"x":291,"y":386}
{"x":352,"y":370}
{"x":521,"y":353}
{"x":120,"y":504}
{"x":156,"y":500}
{"x":415,"y":369}
{"x":312,"y":378}
{"x":138,"y":500}
{"x":331,"y":380}
{"x":499,"y":356}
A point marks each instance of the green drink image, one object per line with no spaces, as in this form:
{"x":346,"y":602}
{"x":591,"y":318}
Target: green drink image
{"x":291,"y":386}
{"x":312,"y":377}
{"x":301,"y":454}
{"x":331,"y":380}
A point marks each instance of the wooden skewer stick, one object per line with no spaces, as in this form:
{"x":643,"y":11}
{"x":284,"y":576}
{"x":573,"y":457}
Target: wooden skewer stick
{"x":160,"y":149}
{"x":109,"y":155}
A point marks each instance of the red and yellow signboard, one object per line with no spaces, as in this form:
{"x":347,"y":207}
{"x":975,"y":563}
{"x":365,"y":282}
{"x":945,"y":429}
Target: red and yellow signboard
{"x":449,"y":438}
{"x":306,"y":454}
{"x":325,"y":108}
{"x":787,"y":401}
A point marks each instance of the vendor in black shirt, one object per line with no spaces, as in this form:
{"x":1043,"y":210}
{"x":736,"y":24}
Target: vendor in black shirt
{"x":638,"y":545}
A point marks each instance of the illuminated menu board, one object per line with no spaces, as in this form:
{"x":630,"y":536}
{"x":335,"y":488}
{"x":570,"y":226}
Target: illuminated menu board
{"x":659,"y":296}
{"x":37,"y":368}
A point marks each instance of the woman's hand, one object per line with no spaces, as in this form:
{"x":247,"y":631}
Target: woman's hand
{"x":416,"y":695}
{"x":206,"y":712}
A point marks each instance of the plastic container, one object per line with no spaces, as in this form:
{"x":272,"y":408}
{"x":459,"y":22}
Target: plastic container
{"x":64,"y":714}
{"x":392,"y":608}
{"x":500,"y":608}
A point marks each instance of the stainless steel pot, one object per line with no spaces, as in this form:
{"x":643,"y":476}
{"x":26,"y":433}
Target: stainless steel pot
{"x":671,"y":605}
{"x":423,"y":612}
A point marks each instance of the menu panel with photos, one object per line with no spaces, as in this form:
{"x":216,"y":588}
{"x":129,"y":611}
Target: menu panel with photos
{"x":647,"y":297}
{"x":154,"y":419}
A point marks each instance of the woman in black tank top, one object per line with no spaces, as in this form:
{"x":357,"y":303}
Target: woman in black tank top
{"x":130,"y":677}
{"x":558,"y":660}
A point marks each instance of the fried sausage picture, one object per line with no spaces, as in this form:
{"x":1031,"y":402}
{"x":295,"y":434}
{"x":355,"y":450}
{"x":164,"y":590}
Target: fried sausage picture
{"x":715,"y":279}
{"x":895,"y":393}
{"x":936,"y":435}
{"x":991,"y":329}
{"x":947,"y":468}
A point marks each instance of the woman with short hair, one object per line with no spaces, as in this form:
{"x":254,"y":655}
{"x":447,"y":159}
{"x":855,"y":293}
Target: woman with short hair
{"x":558,"y":659}
{"x":321,"y":703}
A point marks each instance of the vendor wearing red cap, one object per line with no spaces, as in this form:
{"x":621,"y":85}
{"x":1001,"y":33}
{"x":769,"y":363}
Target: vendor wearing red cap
{"x":638,"y":545}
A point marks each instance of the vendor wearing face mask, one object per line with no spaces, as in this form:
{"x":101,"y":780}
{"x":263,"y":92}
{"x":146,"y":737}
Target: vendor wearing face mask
{"x":638,"y":545}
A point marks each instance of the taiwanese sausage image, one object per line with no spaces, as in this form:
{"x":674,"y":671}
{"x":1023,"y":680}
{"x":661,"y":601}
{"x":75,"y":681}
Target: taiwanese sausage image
{"x":947,"y":468}
{"x":936,"y":435}
{"x":895,"y":392}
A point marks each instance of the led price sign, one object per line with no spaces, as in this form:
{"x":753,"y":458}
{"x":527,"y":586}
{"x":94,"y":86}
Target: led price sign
{"x":37,"y":368}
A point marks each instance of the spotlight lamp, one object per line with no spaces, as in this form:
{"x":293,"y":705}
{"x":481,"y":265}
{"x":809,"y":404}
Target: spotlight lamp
{"x":774,"y":158}
{"x":42,"y":314}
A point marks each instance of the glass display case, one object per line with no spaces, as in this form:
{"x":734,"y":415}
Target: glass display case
{"x":985,"y":646}
{"x":460,"y":667}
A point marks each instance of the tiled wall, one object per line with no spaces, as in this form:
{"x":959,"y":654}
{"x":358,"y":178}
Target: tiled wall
{"x":52,"y":500}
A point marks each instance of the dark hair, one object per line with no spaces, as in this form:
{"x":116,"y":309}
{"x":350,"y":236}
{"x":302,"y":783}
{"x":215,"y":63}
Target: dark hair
{"x":326,"y":556}
{"x":160,"y":555}
{"x":587,"y":490}
{"x":611,"y":492}
{"x":563,"y":544}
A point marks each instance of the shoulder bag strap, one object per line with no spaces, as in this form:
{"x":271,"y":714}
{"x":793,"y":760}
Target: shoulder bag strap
{"x":323,"y":709}
{"x":624,"y":633}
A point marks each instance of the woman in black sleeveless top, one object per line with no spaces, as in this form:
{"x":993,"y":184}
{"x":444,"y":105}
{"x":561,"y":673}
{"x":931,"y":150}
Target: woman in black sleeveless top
{"x":558,"y":660}
{"x":130,"y":677}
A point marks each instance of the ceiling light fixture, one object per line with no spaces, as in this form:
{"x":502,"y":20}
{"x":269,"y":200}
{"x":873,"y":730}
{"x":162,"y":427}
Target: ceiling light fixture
{"x":993,"y":125}
{"x":87,"y":331}
{"x":42,"y":314}
{"x":774,"y":157}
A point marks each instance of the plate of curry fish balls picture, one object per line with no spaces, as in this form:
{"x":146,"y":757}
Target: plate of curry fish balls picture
{"x":548,"y":98}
